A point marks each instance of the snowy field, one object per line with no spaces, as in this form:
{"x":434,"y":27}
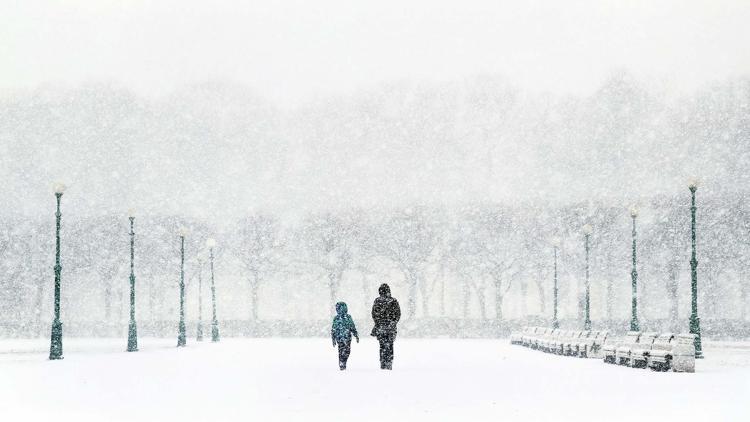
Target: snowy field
{"x":298,"y":379}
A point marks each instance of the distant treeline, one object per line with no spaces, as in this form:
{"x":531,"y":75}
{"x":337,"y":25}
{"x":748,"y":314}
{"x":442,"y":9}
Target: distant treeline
{"x":485,"y":262}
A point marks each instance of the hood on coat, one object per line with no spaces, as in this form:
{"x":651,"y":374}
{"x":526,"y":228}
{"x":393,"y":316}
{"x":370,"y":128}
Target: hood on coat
{"x":384,"y":290}
{"x":341,"y":309}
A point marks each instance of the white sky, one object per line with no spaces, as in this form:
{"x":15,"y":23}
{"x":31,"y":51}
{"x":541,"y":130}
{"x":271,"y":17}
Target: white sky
{"x":291,"y":50}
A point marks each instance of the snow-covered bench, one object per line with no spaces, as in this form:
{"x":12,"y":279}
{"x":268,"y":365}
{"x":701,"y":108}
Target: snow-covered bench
{"x":640,"y":352}
{"x":610,"y":350}
{"x":570,"y":346}
{"x":592,"y":346}
{"x":550,"y":345}
{"x":515,"y":338}
{"x":558,"y":346}
{"x":531,"y":338}
{"x":573,"y":348}
{"x":624,"y":351}
{"x":526,"y":338}
{"x":677,"y":354}
{"x":538,"y":341}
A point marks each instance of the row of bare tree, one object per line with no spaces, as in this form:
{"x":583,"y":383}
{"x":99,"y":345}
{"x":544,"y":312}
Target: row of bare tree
{"x":465,"y":260}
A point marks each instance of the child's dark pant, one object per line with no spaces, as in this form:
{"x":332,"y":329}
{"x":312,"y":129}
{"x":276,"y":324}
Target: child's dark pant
{"x":345,"y":347}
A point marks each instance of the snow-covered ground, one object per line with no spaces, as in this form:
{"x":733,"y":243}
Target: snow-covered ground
{"x":298,"y":379}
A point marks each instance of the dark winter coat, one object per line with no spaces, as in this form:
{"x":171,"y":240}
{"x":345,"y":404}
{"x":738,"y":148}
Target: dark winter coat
{"x":343,"y":326}
{"x":385,"y":313}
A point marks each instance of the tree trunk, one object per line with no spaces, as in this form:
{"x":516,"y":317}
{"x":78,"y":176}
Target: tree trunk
{"x":333,"y":288}
{"x":524,"y":297}
{"x":151,"y":297}
{"x":643,"y":300}
{"x":466,"y":293}
{"x":38,"y":307}
{"x":482,"y":303}
{"x":108,"y":301}
{"x":710,"y":294}
{"x":412,"y":300}
{"x":542,"y":296}
{"x":744,"y":293}
{"x":498,"y":301}
{"x":367,"y":295}
{"x":120,"y":304}
{"x":254,"y":285}
{"x":442,"y":290}
{"x":610,"y":298}
{"x":674,"y":298}
{"x":425,"y":297}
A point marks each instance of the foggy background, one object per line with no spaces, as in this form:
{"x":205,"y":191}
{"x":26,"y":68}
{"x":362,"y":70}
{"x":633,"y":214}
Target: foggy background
{"x":330,"y":147}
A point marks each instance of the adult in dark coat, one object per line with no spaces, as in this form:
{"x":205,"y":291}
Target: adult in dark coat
{"x":385,"y":313}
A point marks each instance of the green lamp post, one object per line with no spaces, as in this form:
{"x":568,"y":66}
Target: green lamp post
{"x":634,"y":326}
{"x":587,"y":230}
{"x":211,"y":243}
{"x":695,"y":322}
{"x":132,"y":330}
{"x":199,"y":336}
{"x":56,"y":345}
{"x":555,"y":246}
{"x":181,"y":337}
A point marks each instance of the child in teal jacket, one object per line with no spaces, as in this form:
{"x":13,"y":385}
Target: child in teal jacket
{"x":341,"y":333}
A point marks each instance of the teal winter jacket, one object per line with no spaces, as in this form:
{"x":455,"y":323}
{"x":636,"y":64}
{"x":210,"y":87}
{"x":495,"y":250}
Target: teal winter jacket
{"x":343,"y":326}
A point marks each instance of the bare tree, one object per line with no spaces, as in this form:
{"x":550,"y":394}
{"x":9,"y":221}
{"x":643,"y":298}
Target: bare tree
{"x":328,"y":241}
{"x":258,"y":246}
{"x":408,"y":240}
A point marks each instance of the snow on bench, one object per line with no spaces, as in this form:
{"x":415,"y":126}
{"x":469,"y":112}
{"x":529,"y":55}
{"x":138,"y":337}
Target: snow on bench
{"x":628,"y":354}
{"x":677,"y":354}
{"x":610,"y":350}
{"x":562,"y":342}
{"x":592,"y":346}
{"x":638,"y":350}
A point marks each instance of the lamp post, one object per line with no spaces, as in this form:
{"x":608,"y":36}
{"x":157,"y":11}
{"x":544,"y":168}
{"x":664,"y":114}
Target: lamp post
{"x":211,"y":243}
{"x":695,"y":322}
{"x":587,"y":230}
{"x":634,"y":326}
{"x":555,"y":322}
{"x":132,"y":330}
{"x":56,"y":346}
{"x":181,"y":338}
{"x":199,"y":337}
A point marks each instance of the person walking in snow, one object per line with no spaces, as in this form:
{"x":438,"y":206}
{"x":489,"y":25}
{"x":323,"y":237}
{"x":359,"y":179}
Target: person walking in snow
{"x":385,"y":312}
{"x":341,"y":333}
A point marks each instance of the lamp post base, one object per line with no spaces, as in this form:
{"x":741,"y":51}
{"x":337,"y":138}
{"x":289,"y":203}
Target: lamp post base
{"x":132,"y":337}
{"x":56,"y":346}
{"x":695,"y":328}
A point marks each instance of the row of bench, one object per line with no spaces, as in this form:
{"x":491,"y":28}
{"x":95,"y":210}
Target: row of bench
{"x":562,"y":342}
{"x":638,"y":350}
{"x":660,"y":352}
